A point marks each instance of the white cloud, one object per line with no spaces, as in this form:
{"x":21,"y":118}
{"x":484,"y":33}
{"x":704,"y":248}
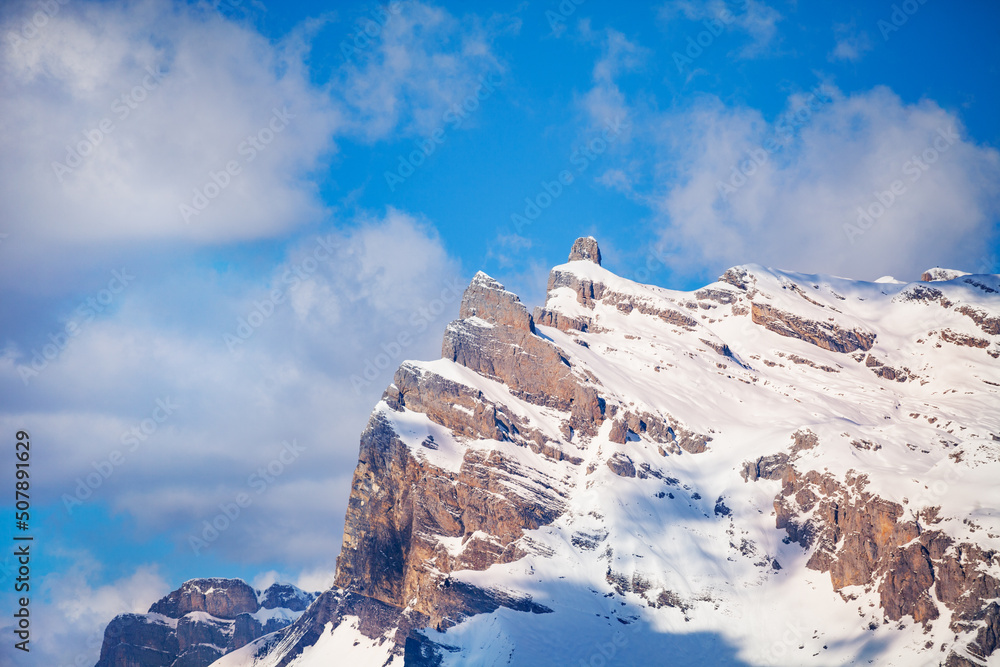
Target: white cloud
{"x":309,"y":369}
{"x":799,"y":209}
{"x":851,"y":45}
{"x":223,"y":144}
{"x":69,"y":628}
{"x":422,"y":62}
{"x":605,"y":103}
{"x":139,"y":145}
{"x":760,"y":21}
{"x":757,"y":20}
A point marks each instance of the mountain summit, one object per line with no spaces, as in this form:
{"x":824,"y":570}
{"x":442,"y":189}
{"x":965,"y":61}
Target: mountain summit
{"x":775,"y":469}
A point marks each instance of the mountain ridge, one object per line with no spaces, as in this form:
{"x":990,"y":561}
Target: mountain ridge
{"x":628,"y":456}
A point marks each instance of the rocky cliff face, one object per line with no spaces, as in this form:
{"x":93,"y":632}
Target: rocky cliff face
{"x":775,"y":469}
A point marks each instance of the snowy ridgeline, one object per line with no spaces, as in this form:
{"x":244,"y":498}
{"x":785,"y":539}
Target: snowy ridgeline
{"x":776,"y":469}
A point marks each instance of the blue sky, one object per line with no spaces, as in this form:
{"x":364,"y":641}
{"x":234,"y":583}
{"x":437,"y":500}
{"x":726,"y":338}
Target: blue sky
{"x":195,"y":211}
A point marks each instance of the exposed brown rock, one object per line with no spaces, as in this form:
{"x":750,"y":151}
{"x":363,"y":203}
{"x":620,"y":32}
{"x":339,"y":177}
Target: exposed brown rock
{"x":768,"y":467}
{"x":192,"y":630}
{"x":246,"y":629}
{"x":938,"y":274}
{"x":887,"y":372}
{"x":199,"y":655}
{"x":724,"y":297}
{"x":822,"y":334}
{"x":909,"y":575}
{"x":213,"y":618}
{"x":950,"y":336}
{"x":861,"y":541}
{"x":740,"y":278}
{"x":621,"y":465}
{"x":989,"y":324}
{"x":285,"y":596}
{"x":585,"y":289}
{"x":924,"y":294}
{"x":585,"y":249}
{"x":487,"y":299}
{"x":132,"y":639}
{"x":375,"y":619}
{"x":533,"y":368}
{"x":802,"y":440}
{"x":619,"y":431}
{"x":796,"y":359}
{"x":399,"y":506}
{"x":222,"y":598}
{"x":627,"y":303}
{"x":553,"y":318}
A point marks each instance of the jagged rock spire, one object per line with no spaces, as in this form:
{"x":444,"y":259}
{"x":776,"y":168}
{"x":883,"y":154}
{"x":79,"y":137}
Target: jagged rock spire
{"x":488,"y":300}
{"x":585,"y":248}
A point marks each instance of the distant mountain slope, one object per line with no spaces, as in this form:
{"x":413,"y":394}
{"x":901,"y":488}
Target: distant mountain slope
{"x":200,"y":622}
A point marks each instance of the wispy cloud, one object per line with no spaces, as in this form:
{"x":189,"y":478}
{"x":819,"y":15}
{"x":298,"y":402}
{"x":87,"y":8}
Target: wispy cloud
{"x":605,"y":103}
{"x":756,"y":20}
{"x":423,"y":61}
{"x":851,"y":44}
{"x":150,"y":122}
{"x":799,"y":207}
{"x":69,"y":627}
{"x":325,"y":342}
{"x":118,"y":112}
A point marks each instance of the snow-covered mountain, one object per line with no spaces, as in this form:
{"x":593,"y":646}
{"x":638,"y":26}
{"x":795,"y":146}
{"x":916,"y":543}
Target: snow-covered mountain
{"x":775,"y":469}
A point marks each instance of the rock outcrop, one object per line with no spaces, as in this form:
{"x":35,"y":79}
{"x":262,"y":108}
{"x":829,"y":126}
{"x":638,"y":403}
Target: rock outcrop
{"x":222,"y":598}
{"x":862,"y":540}
{"x":821,"y":334}
{"x":198,"y":623}
{"x":936,"y":274}
{"x":585,"y":249}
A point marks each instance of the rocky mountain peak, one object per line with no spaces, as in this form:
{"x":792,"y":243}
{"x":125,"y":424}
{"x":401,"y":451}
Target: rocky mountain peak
{"x":634,"y":463}
{"x":222,"y":598}
{"x":490,"y":301}
{"x":937,"y":274}
{"x":285,"y":596}
{"x":200,"y":622}
{"x":585,"y":249}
